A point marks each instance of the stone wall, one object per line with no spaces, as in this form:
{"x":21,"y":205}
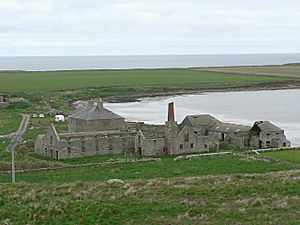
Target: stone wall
{"x":269,"y":140}
{"x":189,"y":142}
{"x":81,"y":146}
{"x":96,"y":145}
{"x":78,"y":125}
{"x":149,"y":147}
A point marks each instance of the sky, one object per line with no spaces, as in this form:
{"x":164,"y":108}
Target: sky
{"x":148,"y":27}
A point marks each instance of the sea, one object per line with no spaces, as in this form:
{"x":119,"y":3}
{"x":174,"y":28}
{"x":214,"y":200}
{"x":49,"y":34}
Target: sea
{"x":50,"y":63}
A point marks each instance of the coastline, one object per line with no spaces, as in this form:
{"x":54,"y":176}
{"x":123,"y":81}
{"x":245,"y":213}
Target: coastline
{"x":137,"y":97}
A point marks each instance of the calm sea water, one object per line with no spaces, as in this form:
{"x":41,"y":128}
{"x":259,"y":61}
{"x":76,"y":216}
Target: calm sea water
{"x":128,"y":62}
{"x":281,"y":107}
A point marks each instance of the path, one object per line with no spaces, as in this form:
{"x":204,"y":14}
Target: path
{"x":16,"y":137}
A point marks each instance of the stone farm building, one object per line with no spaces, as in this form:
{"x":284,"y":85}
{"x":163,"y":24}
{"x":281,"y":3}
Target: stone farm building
{"x":94,"y":130}
{"x":3,"y":102}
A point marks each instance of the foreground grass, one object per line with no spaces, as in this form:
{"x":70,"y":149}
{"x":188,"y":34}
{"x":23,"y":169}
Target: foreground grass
{"x":62,"y":80}
{"x":271,"y":198}
{"x":292,"y":156}
{"x":166,"y":169}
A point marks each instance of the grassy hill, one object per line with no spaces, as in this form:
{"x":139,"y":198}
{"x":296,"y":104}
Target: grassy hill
{"x":269,"y":198}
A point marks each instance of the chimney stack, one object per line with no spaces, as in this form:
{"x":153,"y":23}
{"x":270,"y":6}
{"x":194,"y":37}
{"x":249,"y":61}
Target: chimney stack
{"x":100,"y":103}
{"x":171,"y":116}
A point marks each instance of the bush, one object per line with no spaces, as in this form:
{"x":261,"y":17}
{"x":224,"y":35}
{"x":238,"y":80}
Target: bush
{"x":19,"y":105}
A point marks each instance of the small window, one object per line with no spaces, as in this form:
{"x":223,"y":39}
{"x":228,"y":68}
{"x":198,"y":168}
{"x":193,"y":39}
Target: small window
{"x":83,"y":146}
{"x":192,"y":145}
{"x":69,"y":150}
{"x":186,"y":137}
{"x":205,"y":146}
{"x":155,"y":141}
{"x":284,"y":144}
{"x":268,"y":134}
{"x":181,"y":146}
{"x":277,"y":133}
{"x":97,"y":145}
{"x":195,"y":132}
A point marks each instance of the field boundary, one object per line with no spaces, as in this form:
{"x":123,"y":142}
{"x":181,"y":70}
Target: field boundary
{"x":272,"y":150}
{"x":87,"y":165}
{"x":198,"y":156}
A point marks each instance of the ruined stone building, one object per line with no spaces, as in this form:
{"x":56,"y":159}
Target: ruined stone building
{"x":172,"y":139}
{"x":95,"y":130}
{"x":3,"y":102}
{"x":262,"y":134}
{"x":92,"y":131}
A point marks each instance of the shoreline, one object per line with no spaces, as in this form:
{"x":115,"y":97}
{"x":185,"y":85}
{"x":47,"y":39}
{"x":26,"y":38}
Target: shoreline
{"x":146,"y":68}
{"x":138,"y":97}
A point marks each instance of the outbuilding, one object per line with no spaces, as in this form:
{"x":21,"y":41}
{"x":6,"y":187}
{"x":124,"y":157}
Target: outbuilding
{"x":59,"y":118}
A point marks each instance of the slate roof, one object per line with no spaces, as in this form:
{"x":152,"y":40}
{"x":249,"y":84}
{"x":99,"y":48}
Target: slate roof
{"x":210,"y":123}
{"x":267,"y":126}
{"x":201,"y":120}
{"x":228,"y":127}
{"x":96,"y":112}
{"x":88,"y":134}
{"x":150,"y":131}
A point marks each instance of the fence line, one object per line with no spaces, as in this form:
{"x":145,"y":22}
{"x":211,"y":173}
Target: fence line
{"x":109,"y":162}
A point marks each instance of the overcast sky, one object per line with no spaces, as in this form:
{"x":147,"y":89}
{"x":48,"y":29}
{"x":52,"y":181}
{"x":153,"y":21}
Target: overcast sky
{"x":113,"y":27}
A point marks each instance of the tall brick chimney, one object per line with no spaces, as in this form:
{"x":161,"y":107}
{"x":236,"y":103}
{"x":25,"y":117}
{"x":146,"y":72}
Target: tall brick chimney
{"x":171,"y":116}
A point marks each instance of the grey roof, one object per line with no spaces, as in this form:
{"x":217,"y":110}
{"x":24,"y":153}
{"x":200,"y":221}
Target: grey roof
{"x":96,"y":112}
{"x":267,"y":126}
{"x":150,"y":131}
{"x":201,"y":120}
{"x":228,"y":127}
{"x":210,"y":123}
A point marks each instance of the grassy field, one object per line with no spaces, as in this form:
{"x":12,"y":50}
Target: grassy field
{"x":289,"y":70}
{"x":9,"y":121}
{"x":62,"y":80}
{"x":292,"y":156}
{"x":271,"y":198}
{"x":4,"y":142}
{"x":166,"y":169}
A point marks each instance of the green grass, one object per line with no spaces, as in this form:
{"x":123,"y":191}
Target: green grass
{"x":62,"y":80}
{"x":9,"y":121}
{"x":94,"y":159}
{"x":41,"y":125}
{"x":292,"y":156}
{"x":4,"y":142}
{"x":288,"y":70}
{"x":166,"y":169}
{"x":270,"y":198}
